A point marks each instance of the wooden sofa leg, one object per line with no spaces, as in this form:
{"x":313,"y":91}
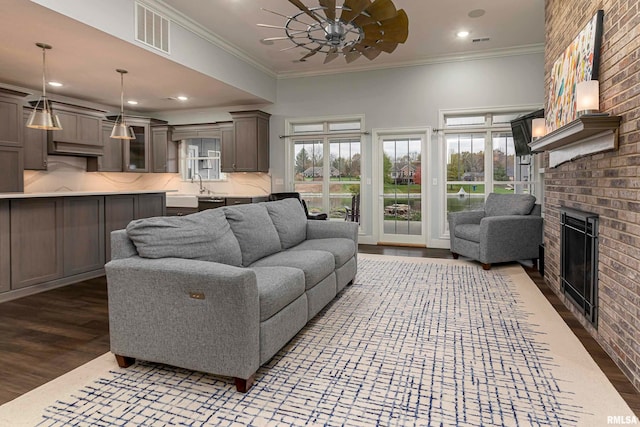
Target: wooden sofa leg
{"x":124,"y":361}
{"x":455,"y":255}
{"x":486,"y":266}
{"x":243,"y":385}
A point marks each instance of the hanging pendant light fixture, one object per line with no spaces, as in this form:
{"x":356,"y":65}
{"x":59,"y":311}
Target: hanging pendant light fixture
{"x":120,"y":128}
{"x":42,"y":116}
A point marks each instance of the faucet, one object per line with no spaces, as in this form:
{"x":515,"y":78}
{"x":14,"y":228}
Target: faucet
{"x":202,"y":189}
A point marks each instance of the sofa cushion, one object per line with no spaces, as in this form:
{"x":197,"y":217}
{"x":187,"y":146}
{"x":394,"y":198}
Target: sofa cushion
{"x":509,"y":204}
{"x":254,"y":230}
{"x":277,"y":287}
{"x":289,"y":219}
{"x":316,"y":265}
{"x":468,"y":232}
{"x":205,"y":236}
{"x":342,"y":249}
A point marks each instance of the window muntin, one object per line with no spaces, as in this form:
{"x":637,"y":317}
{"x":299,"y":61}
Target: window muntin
{"x":200,"y":158}
{"x":481,"y":158}
{"x":326,"y":164}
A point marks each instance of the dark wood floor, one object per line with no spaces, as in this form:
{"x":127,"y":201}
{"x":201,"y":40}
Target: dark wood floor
{"x":46,"y":335}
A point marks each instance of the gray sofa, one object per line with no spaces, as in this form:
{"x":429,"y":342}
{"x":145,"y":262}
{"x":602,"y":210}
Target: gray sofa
{"x":509,"y":228}
{"x":222,"y":290}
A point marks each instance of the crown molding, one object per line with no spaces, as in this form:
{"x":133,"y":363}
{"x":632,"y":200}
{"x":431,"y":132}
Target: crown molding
{"x":443,"y":59}
{"x":196,"y":28}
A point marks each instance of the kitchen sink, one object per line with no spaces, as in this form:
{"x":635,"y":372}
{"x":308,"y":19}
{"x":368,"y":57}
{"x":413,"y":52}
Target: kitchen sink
{"x":182,"y":200}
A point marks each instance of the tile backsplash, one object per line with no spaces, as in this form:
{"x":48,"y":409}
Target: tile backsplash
{"x":66,"y":173}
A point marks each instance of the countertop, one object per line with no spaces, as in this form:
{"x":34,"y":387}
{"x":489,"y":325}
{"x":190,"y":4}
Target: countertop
{"x":77,"y":193}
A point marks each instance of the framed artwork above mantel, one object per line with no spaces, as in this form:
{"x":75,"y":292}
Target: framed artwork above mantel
{"x":579,"y":62}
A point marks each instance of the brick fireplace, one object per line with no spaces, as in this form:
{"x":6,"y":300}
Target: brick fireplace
{"x":606,"y":184}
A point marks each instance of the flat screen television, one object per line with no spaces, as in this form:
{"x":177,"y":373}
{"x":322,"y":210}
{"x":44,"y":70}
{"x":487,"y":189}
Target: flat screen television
{"x":521,"y":130}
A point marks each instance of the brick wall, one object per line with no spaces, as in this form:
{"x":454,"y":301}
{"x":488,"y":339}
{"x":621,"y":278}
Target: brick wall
{"x":607,"y":184}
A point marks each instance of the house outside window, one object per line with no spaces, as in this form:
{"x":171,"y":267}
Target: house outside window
{"x":481,"y":158}
{"x":325,"y":164}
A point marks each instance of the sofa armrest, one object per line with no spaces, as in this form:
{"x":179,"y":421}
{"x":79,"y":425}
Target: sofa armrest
{"x":510,"y":237}
{"x":465,"y":217}
{"x":328,"y":229}
{"x":121,"y":245}
{"x":194,"y":314}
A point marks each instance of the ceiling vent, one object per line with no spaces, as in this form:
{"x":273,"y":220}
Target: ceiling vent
{"x":152,"y":28}
{"x":481,"y":39}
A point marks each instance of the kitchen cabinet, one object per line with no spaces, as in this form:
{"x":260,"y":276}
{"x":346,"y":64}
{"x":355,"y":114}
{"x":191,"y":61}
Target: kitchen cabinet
{"x":231,"y":201}
{"x":36,"y":241}
{"x":35,"y":145}
{"x":5,"y":247}
{"x":199,"y":130}
{"x":121,"y":209}
{"x":11,"y":135}
{"x":84,"y":236}
{"x":164,"y":151}
{"x":137,"y":154}
{"x":81,"y":133}
{"x":180,"y":211}
{"x":151,"y":205}
{"x":111,"y":159}
{"x":11,"y":169}
{"x":248,"y":151}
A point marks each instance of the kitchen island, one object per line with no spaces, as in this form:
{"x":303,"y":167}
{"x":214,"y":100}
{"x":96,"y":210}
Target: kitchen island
{"x":49,"y":240}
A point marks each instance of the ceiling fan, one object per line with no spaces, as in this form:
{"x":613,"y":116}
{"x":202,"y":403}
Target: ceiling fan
{"x":354,"y":29}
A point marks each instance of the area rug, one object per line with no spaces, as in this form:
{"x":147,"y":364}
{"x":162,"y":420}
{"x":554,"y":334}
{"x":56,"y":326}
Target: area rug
{"x":412,"y":342}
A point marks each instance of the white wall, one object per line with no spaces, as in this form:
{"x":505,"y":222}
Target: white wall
{"x":117,"y":18}
{"x":407,"y":97}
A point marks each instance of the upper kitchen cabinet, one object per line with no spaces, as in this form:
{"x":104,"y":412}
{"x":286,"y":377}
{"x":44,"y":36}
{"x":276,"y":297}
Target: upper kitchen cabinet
{"x":81,"y":133}
{"x":248,"y":151}
{"x":11,"y":136}
{"x":35,"y":145}
{"x":151,"y":151}
{"x":164,"y":151}
{"x":111,"y":159}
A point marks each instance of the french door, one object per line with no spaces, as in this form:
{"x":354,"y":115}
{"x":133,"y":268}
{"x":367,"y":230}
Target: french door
{"x":402,"y":214}
{"x":326,"y":167}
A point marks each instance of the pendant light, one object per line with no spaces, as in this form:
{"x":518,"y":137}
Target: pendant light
{"x":120,"y":128}
{"x":42,"y":116}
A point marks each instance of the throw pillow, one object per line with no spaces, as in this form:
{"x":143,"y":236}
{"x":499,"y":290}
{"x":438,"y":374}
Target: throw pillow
{"x":290,"y":221}
{"x":205,"y":236}
{"x":254,"y":230}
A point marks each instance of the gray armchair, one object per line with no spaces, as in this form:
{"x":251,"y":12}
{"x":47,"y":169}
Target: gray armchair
{"x":509,"y":228}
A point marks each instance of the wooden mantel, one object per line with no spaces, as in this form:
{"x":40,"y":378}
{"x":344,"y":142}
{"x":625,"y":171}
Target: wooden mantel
{"x":587,"y":134}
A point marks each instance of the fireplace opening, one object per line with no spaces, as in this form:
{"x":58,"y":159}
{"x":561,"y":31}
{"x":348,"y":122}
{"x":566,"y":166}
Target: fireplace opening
{"x":579,"y":260}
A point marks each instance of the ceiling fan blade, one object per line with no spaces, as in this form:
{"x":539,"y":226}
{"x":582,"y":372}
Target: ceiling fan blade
{"x":310,"y":54}
{"x":305,"y":9}
{"x":330,"y":57}
{"x":350,"y":54}
{"x":394,"y":30}
{"x":329,"y":9}
{"x":383,"y":46}
{"x":352,"y":8}
{"x":369,"y":52}
{"x":381,"y":10}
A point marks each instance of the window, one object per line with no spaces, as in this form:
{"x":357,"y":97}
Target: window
{"x":325,"y":164}
{"x":200,"y":157}
{"x":481,"y":159}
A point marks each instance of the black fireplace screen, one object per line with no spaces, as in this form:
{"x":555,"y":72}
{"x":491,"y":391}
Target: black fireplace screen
{"x":579,"y":260}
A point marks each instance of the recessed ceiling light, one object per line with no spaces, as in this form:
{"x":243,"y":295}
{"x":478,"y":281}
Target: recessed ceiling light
{"x":55,"y":84}
{"x":132,"y":102}
{"x":462,"y":34}
{"x":182,"y":98}
{"x":476,"y":13}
